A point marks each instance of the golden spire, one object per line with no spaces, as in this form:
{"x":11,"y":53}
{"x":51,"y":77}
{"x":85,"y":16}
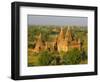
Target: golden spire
{"x":61,"y":30}
{"x":68,"y":34}
{"x":61,"y":35}
{"x":39,"y":41}
{"x":39,"y":37}
{"x":68,"y":30}
{"x":39,"y":44}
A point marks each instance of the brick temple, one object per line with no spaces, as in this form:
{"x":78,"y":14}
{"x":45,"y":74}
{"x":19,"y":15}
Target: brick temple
{"x":62,"y":42}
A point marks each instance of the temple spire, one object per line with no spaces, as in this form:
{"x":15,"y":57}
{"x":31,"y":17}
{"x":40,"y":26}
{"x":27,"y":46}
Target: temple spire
{"x":69,"y":34}
{"x":39,"y":37}
{"x":61,"y":35}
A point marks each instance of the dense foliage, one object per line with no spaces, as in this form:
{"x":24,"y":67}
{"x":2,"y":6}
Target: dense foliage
{"x":45,"y":58}
{"x":72,"y":57}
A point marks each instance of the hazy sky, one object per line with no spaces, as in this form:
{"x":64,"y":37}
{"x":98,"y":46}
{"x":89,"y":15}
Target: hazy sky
{"x":56,"y":20}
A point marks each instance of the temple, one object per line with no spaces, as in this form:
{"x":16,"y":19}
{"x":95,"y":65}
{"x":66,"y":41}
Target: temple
{"x":62,"y":42}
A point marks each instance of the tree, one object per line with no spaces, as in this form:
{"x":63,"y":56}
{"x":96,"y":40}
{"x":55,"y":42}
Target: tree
{"x":72,"y":57}
{"x":56,"y":60}
{"x":83,"y":55}
{"x":45,"y":58}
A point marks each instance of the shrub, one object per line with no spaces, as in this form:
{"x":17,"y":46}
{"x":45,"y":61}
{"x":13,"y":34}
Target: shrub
{"x":56,"y":60}
{"x":72,"y":57}
{"x":45,"y":58}
{"x":84,"y":55}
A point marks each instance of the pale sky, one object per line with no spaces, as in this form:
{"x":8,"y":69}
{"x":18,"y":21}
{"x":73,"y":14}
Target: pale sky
{"x":56,"y":20}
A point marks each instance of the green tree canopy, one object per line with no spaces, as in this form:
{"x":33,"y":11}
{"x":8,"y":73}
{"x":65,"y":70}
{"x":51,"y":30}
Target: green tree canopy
{"x":72,"y":57}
